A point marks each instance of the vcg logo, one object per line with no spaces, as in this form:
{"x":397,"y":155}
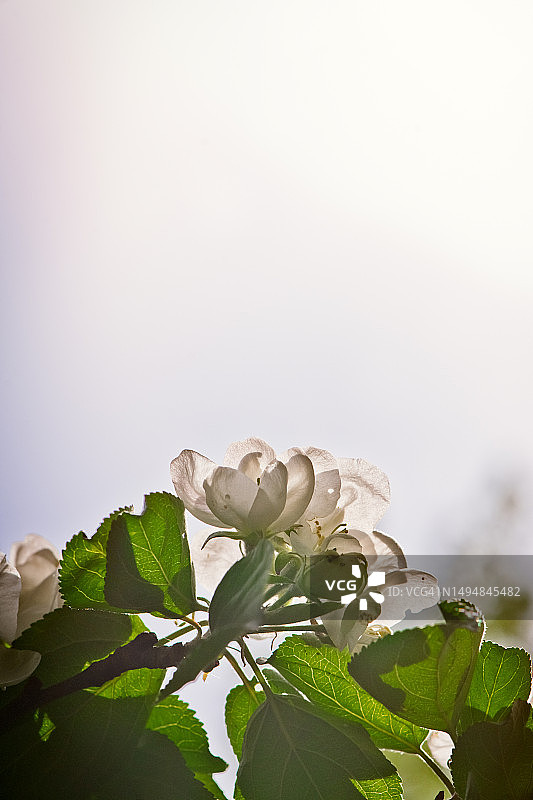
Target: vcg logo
{"x":352,"y":586}
{"x":344,"y":578}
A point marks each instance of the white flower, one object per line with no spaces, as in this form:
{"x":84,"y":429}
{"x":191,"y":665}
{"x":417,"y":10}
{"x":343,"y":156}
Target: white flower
{"x":29,"y":589}
{"x":312,"y":502}
{"x":254,"y":491}
{"x":322,"y":493}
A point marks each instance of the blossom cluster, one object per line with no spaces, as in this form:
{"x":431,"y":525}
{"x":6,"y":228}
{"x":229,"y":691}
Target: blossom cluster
{"x":305,"y":500}
{"x":308,"y":502}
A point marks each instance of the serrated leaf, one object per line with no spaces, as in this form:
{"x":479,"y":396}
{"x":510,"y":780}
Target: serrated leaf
{"x":240,"y":705}
{"x":173,"y":718}
{"x":234,"y":611}
{"x":321,"y":673}
{"x":211,"y":786}
{"x":83,"y":568}
{"x":314,"y":756}
{"x":239,"y":595}
{"x":103,"y":724}
{"x":493,"y":760}
{"x":501,"y":676}
{"x":42,"y":754}
{"x":149,"y":567}
{"x":423,"y":674}
{"x":134,"y":683}
{"x":69,"y":639}
{"x":380,"y":789}
{"x":155,"y":769}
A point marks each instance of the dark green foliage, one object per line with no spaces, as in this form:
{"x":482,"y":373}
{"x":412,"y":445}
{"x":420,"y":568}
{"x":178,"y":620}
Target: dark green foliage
{"x":423,"y":674}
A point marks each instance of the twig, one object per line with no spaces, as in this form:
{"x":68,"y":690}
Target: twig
{"x":240,"y":672}
{"x":257,"y":672}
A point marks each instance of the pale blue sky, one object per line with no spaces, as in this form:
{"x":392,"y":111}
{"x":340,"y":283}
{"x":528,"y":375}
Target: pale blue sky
{"x":305,"y":222}
{"x":309,"y":222}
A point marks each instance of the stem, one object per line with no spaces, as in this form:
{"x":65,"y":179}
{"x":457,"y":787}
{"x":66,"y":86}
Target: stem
{"x":284,"y":596}
{"x":257,"y":672}
{"x":195,"y":624}
{"x":240,"y":672}
{"x":289,"y":628}
{"x":180,"y":632}
{"x":437,"y":770}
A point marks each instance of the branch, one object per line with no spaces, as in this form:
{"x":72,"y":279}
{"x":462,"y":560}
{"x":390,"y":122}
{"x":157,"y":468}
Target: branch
{"x":140,"y":652}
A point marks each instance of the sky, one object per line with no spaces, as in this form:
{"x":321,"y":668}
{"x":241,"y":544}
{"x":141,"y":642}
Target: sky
{"x":303,"y":221}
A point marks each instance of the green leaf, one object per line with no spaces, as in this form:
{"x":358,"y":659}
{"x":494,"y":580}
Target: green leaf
{"x":321,"y":672}
{"x":173,"y":718}
{"x":380,"y":788}
{"x":289,"y":751}
{"x":239,"y":595}
{"x":69,"y":639}
{"x":234,"y":611}
{"x":240,"y":705}
{"x":83,"y":568}
{"x":136,"y":683}
{"x":278,"y":684}
{"x":501,"y":676}
{"x":89,"y":736}
{"x":148,"y":562}
{"x":155,"y":769}
{"x":492,"y":760}
{"x":211,"y":786}
{"x":423,"y":674}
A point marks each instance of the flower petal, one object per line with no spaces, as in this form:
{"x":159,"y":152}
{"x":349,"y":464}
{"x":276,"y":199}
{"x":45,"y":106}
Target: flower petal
{"x":36,"y":559}
{"x":10,"y":585}
{"x":230,"y":495}
{"x":271,"y":497}
{"x":32,"y":544}
{"x":300,"y":488}
{"x":418,"y":590}
{"x":327,"y":482}
{"x":213,"y":561}
{"x":440,"y":746}
{"x":42,"y":599}
{"x":343,"y":635}
{"x":306,"y":539}
{"x":188,"y":472}
{"x":381,"y":551}
{"x":16,"y":665}
{"x":250,"y":464}
{"x":237,"y":450}
{"x":365,"y":493}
